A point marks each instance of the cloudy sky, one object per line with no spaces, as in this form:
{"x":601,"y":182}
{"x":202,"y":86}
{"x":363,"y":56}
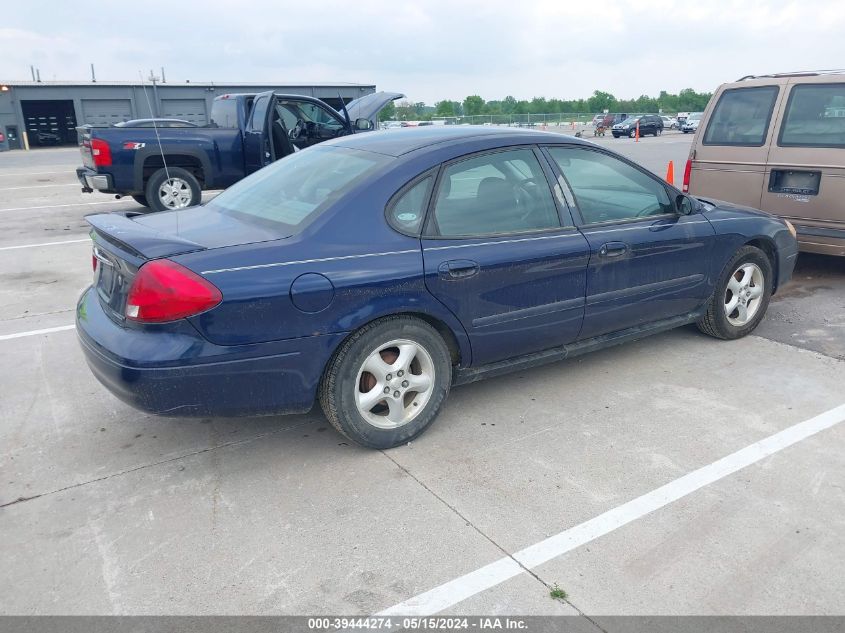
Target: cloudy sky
{"x":429,"y":49}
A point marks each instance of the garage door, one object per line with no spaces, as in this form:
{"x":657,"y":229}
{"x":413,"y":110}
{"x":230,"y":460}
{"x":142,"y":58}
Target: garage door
{"x":106,"y":111}
{"x":192,"y":110}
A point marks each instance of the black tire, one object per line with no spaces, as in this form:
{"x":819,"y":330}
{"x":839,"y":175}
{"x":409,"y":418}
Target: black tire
{"x":715,"y":322}
{"x":159,"y":177}
{"x":632,"y":134}
{"x":142,"y":200}
{"x":658,"y":131}
{"x":340,"y":382}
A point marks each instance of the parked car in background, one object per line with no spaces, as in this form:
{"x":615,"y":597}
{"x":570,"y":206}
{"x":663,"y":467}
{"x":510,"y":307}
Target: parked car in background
{"x":375,"y":271}
{"x":612,"y":119}
{"x":169,"y":168}
{"x":648,"y":124}
{"x":597,"y":119}
{"x":156,"y":123}
{"x":682,"y":116}
{"x":669,"y":122}
{"x":777,"y":143}
{"x":691,"y":123}
{"x":42,"y":137}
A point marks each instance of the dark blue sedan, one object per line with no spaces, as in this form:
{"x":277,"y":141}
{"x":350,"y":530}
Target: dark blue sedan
{"x":375,"y":272}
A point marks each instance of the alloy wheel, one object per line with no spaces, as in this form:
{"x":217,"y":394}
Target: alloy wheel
{"x":175,"y":193}
{"x":744,"y":293}
{"x":394,"y":383}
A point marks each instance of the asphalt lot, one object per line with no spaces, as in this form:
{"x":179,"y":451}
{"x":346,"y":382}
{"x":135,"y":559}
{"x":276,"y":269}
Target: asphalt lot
{"x":108,"y":510}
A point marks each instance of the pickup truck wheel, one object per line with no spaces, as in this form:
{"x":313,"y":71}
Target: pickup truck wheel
{"x":173,"y":188}
{"x":142,"y":200}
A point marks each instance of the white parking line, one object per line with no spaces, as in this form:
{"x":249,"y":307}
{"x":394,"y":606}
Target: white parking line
{"x":13,"y":248}
{"x":59,"y":206}
{"x":35,"y":173}
{"x":49,"y":330}
{"x":455,"y":591}
{"x":63,"y":184}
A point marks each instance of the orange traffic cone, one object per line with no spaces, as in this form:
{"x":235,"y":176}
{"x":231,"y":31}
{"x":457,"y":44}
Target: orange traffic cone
{"x":637,"y":135}
{"x":670,"y":173}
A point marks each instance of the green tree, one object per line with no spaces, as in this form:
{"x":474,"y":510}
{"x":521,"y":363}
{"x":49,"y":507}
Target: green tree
{"x":473,"y":105}
{"x":388,"y":112}
{"x":601,"y":101}
{"x":444,"y":108}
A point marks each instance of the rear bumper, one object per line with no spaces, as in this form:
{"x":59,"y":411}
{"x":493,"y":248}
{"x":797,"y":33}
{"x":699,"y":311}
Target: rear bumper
{"x":91,"y":180}
{"x":174,"y":371}
{"x":824,"y":240}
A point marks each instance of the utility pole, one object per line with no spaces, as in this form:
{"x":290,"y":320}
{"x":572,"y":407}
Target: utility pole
{"x":153,"y":79}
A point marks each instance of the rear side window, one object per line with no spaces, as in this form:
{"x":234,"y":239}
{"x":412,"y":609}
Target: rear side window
{"x":815,"y":117}
{"x":291,"y":192}
{"x":406,"y":212}
{"x":741,"y":117}
{"x":224,"y":113}
{"x":494,"y":194}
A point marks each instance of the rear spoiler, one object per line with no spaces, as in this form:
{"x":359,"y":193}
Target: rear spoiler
{"x":140,"y":240}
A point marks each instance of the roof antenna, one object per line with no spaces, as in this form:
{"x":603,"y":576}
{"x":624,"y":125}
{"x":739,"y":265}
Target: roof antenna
{"x":345,"y":113}
{"x":155,"y":128}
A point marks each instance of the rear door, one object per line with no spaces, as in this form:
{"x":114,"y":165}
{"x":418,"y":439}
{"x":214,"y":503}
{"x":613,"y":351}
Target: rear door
{"x":647,"y":262}
{"x":732,"y":143}
{"x":805,"y":175}
{"x":503,"y":256}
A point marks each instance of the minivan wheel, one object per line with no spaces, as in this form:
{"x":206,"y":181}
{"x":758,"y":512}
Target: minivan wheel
{"x":632,"y":133}
{"x":658,"y":131}
{"x":387,"y":382}
{"x":741,"y":297}
{"x":172,"y":188}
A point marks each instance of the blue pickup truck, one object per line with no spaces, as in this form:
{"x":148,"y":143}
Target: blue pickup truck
{"x":169,"y":167}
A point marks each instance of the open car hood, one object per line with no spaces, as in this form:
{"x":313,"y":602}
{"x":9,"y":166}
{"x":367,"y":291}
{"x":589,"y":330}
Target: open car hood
{"x":368,"y":106}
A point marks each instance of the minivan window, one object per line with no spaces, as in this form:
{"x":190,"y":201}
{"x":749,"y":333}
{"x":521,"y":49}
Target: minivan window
{"x":289,"y":193}
{"x":741,"y":117}
{"x":815,"y":116}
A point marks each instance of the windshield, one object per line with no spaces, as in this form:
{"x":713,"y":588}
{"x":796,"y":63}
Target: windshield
{"x":694,"y":117}
{"x":291,"y":192}
{"x":631,"y":121}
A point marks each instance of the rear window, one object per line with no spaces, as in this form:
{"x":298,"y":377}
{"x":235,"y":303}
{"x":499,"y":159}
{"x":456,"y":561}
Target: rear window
{"x":288,"y":194}
{"x":224,"y":113}
{"x":741,"y":117}
{"x":815,"y":117}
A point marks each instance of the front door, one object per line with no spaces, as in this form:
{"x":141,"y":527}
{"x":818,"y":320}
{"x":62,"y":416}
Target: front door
{"x":257,"y":149}
{"x":503,"y":256}
{"x":647,"y":262}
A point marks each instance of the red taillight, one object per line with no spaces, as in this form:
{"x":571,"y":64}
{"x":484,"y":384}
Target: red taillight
{"x":687,"y":171}
{"x":101,"y":152}
{"x":166,"y":291}
{"x":2,"y":137}
{"x":94,"y":263}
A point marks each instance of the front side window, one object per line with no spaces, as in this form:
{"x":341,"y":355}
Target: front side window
{"x":289,"y":193}
{"x":741,"y":117}
{"x":815,"y":117}
{"x":504,"y":192}
{"x":607,"y":189}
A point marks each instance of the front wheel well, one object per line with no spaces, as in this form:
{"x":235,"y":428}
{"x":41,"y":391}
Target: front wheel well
{"x":769,"y":249}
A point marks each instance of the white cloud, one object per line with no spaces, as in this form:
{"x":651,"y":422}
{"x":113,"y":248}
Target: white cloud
{"x":430,"y":50}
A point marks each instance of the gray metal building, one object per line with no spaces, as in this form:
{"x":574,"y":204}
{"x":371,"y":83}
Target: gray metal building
{"x":49,"y":111}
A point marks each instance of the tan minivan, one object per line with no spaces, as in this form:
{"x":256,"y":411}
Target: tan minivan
{"x":777,"y":143}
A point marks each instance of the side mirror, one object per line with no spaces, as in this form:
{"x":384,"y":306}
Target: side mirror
{"x":685,"y":204}
{"x":363,"y":125}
